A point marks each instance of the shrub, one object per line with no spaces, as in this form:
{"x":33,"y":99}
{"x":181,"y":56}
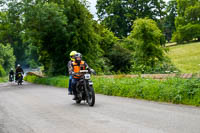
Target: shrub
{"x":120,"y":58}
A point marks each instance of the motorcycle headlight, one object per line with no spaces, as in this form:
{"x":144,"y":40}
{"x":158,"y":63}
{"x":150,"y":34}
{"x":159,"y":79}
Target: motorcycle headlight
{"x":87,"y":76}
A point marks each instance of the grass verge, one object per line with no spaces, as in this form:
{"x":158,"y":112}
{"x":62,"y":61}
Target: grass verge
{"x":3,"y":79}
{"x":173,"y":90}
{"x":60,"y":81}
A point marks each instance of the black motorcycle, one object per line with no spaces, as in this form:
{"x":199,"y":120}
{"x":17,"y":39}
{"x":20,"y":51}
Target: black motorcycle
{"x":84,"y":88}
{"x":19,"y":79}
{"x":11,"y":78}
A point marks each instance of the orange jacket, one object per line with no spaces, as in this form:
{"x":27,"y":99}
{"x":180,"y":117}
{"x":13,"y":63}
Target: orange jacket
{"x":77,"y":68}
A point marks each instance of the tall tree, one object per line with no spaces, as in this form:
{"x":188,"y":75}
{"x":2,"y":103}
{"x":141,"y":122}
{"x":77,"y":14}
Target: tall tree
{"x":57,"y":28}
{"x":7,"y":58}
{"x":46,"y":29}
{"x":148,"y":49}
{"x":169,"y":20}
{"x":188,"y":21}
{"x":118,"y":15}
{"x":11,"y":29}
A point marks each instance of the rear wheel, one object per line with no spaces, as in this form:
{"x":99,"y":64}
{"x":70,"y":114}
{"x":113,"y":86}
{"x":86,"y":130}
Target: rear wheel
{"x":20,"y":81}
{"x":91,"y":96}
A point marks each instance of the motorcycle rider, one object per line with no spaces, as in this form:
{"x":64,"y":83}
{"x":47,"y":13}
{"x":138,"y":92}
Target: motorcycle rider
{"x":18,"y":70}
{"x":72,"y":57}
{"x":78,"y":65}
{"x":11,"y":75}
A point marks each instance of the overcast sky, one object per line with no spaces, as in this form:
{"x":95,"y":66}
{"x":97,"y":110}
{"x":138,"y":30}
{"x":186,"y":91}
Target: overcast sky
{"x":93,"y":8}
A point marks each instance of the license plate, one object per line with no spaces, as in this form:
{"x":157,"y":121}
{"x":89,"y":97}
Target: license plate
{"x":90,"y":83}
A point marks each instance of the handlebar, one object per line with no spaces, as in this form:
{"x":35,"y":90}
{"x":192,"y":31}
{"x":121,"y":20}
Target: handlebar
{"x":81,"y":72}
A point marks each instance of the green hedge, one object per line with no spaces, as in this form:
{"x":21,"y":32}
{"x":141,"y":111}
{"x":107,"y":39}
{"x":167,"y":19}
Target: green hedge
{"x":3,"y":79}
{"x":173,"y":90}
{"x":60,"y":81}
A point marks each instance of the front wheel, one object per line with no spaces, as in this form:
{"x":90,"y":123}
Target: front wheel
{"x":20,"y":81}
{"x":91,"y":96}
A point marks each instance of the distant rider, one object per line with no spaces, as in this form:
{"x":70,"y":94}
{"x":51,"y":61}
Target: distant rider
{"x":18,"y":70}
{"x":78,"y":65}
{"x":70,"y":69}
{"x":11,"y":75}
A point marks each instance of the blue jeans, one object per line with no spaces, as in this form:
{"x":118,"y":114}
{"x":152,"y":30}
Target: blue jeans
{"x":74,"y":81}
{"x":70,"y":84}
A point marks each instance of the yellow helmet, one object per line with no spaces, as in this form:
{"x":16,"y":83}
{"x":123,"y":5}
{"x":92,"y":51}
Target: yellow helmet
{"x":72,"y":54}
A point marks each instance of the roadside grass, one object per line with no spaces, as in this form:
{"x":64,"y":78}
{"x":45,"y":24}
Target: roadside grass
{"x":172,"y":90}
{"x":186,"y":57}
{"x":59,"y":81}
{"x":3,"y":79}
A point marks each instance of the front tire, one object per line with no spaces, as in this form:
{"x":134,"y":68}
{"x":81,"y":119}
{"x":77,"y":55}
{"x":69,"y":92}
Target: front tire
{"x":78,"y":101}
{"x":91,"y":96}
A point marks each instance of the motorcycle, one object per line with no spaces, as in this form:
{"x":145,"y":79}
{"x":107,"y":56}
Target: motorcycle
{"x":84,"y":88}
{"x":11,"y":78}
{"x":19,"y":78}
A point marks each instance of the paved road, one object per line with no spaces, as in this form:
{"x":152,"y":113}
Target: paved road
{"x":44,"y":109}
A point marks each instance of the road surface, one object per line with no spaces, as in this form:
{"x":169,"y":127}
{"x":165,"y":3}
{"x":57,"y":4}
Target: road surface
{"x":44,"y":109}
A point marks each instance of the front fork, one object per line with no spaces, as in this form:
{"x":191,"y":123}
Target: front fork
{"x":87,"y":84}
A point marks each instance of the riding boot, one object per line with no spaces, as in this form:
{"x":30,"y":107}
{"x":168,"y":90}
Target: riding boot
{"x":75,"y":95}
{"x":70,"y":93}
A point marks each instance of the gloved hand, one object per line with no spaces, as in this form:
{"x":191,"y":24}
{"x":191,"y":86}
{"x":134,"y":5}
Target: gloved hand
{"x":93,"y":71}
{"x":73,"y":73}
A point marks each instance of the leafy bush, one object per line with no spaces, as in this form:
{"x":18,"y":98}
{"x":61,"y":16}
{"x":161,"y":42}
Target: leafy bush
{"x":120,"y":58}
{"x":60,"y":81}
{"x":160,"y":67}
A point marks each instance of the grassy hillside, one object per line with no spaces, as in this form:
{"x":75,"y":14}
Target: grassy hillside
{"x":186,"y":57}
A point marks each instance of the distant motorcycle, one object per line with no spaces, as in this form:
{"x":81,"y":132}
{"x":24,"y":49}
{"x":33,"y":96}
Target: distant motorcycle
{"x":11,"y":78}
{"x":19,"y":78}
{"x":84,"y":88}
